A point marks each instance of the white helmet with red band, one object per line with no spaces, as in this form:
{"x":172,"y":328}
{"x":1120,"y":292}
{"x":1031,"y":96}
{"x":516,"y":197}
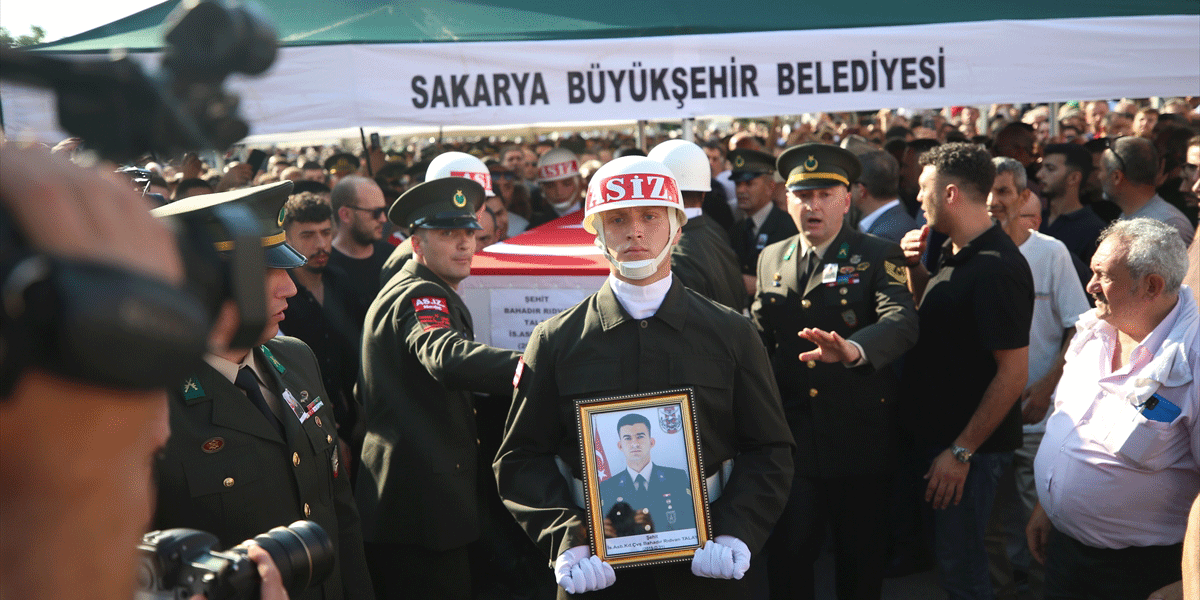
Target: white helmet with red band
{"x":556,"y":164}
{"x":688,"y":162}
{"x":460,"y":164}
{"x":628,"y":182}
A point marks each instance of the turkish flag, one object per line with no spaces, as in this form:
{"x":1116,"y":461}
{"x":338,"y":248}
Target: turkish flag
{"x":601,"y":460}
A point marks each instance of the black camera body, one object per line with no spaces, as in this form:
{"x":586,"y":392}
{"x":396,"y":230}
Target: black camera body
{"x":177,"y":564}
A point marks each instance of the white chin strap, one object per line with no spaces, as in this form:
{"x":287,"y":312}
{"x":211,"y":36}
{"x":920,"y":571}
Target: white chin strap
{"x":637,"y":269}
{"x":561,"y":206}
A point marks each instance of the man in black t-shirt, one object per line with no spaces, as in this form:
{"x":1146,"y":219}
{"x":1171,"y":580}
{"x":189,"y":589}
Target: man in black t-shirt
{"x":359,"y":212}
{"x":967,"y":371}
{"x":320,"y":314}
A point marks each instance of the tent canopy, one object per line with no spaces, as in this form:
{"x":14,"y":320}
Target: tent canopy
{"x":308,"y":23}
{"x":430,"y":65}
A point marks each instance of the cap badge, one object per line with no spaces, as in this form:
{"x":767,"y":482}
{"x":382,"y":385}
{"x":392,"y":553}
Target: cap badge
{"x":811,"y":163}
{"x":739,"y":162}
{"x":282,"y":214}
{"x":460,"y":200}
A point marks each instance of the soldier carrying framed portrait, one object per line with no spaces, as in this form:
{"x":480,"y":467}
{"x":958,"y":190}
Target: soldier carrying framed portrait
{"x":645,"y":495}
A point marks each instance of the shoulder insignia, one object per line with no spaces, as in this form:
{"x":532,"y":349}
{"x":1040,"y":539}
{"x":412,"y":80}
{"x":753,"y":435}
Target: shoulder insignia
{"x":271,"y":358}
{"x":192,"y":389}
{"x":896,"y":272}
{"x":791,"y":249}
{"x":431,"y":303}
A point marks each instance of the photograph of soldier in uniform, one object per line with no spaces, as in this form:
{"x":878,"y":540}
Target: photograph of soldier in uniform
{"x":645,"y":495}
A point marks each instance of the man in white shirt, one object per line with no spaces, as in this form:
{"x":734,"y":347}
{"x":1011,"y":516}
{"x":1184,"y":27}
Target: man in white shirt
{"x":1118,"y":465}
{"x":1058,"y":302}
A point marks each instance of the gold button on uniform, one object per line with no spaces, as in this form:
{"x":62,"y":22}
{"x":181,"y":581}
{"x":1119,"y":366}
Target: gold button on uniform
{"x":328,"y":439}
{"x":843,"y":291}
{"x":805,"y":303}
{"x":813,"y":393}
{"x":307,"y":510}
{"x":845,"y":302}
{"x":228,"y":482}
{"x":296,"y":459}
{"x":811,"y":364}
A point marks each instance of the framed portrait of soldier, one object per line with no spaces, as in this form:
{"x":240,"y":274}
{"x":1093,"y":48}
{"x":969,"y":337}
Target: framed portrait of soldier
{"x":644,"y":484}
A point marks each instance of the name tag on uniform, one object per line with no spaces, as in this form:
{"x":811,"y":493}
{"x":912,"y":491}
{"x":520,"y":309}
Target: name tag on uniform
{"x":830,"y":273}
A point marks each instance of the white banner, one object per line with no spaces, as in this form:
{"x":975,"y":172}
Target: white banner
{"x":741,"y":74}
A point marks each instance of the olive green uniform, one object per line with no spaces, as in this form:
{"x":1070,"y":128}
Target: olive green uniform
{"x":420,"y":365}
{"x":705,"y":262}
{"x":843,"y":418}
{"x":227,"y":471}
{"x":596,"y":349}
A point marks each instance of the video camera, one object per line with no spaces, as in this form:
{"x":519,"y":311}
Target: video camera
{"x":109,"y":326}
{"x":180,"y":563}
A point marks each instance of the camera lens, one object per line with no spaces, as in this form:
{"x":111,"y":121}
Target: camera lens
{"x":302,"y":552}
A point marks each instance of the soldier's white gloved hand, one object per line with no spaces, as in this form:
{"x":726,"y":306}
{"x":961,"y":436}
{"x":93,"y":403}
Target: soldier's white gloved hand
{"x":724,"y":557}
{"x":577,"y":571}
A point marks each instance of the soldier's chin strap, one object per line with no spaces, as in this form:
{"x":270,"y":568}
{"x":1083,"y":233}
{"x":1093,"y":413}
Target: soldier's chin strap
{"x":637,"y":269}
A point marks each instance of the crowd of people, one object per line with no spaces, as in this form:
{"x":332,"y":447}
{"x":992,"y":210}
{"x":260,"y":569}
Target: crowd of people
{"x":942,"y":339}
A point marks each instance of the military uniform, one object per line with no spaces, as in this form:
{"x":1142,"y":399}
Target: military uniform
{"x":748,"y":239}
{"x":705,"y":262}
{"x":596,"y":349}
{"x":667,"y":499}
{"x":842,"y":417}
{"x":400,"y":255}
{"x":420,"y":363}
{"x":227,"y":471}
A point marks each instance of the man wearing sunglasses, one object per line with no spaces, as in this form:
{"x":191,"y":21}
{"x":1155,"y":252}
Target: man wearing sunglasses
{"x":1128,"y":173}
{"x":358,"y":247}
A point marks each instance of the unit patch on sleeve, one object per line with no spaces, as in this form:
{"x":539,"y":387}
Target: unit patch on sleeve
{"x":432,"y":312}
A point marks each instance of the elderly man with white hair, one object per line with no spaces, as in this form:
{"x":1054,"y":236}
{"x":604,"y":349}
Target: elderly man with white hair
{"x":1119,"y":463}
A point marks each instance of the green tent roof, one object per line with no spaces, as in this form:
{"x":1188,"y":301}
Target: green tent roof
{"x":316,"y":22}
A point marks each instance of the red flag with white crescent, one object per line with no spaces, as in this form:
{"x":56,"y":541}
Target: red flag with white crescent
{"x":601,"y":460}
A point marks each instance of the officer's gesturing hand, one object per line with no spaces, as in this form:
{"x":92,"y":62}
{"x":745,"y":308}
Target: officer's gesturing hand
{"x":831,"y":347}
{"x":578,"y":570}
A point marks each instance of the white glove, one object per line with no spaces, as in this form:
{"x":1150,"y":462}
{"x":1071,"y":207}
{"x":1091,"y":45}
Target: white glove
{"x":724,"y":557}
{"x":578,"y":570}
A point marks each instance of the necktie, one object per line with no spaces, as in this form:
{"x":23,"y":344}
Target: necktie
{"x":639,"y":484}
{"x":247,"y":382}
{"x":808,"y":268}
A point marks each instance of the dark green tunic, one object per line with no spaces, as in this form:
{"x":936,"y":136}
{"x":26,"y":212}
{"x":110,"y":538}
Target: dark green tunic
{"x":420,"y":365}
{"x":843,"y":419}
{"x":596,"y":349}
{"x":225,"y":469}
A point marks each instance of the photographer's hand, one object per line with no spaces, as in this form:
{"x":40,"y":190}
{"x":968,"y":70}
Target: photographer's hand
{"x":272,"y":583}
{"x":84,"y":214}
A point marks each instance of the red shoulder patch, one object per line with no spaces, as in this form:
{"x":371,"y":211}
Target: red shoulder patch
{"x":430,"y":303}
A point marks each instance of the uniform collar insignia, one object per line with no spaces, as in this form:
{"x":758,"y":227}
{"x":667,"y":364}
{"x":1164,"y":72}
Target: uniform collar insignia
{"x":271,"y":358}
{"x":192,"y":389}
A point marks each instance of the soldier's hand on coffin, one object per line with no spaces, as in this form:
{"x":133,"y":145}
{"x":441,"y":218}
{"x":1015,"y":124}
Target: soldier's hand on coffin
{"x":831,"y":347}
